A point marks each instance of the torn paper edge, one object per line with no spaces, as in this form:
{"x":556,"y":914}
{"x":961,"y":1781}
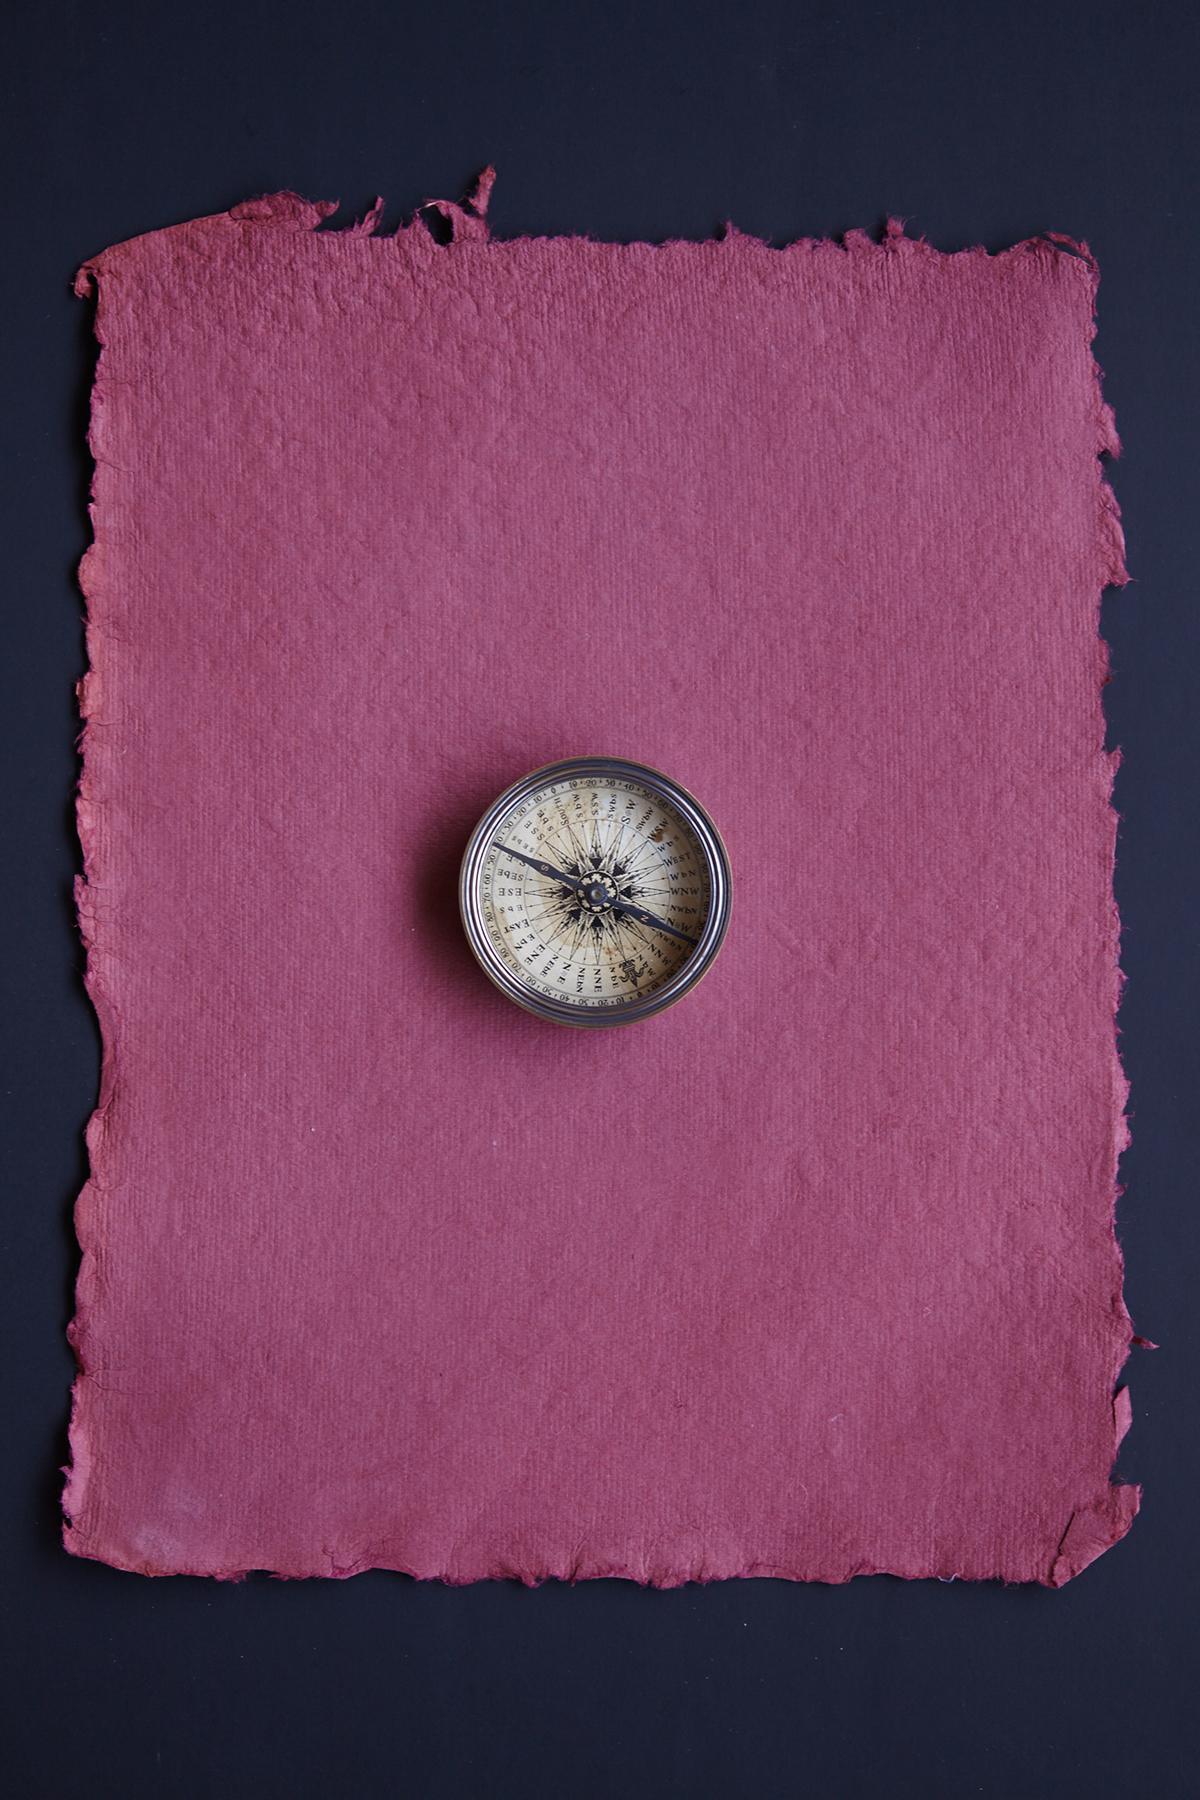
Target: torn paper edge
{"x":1104,"y":1519}
{"x":1092,"y":1526}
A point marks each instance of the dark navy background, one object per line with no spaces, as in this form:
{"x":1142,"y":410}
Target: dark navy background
{"x":979,"y":124}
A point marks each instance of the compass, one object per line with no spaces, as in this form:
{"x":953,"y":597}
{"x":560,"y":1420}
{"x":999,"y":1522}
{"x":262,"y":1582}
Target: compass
{"x":595,"y":891}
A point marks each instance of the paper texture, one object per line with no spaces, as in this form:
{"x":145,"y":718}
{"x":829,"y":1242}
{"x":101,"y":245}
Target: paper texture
{"x":813,"y":1275}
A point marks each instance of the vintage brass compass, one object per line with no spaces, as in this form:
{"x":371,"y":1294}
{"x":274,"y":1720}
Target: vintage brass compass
{"x":595,"y":891}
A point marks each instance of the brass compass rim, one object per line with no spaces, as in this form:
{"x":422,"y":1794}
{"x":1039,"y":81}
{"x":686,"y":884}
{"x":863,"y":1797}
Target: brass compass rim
{"x":694,"y":966}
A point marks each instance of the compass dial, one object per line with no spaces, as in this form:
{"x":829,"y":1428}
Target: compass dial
{"x":595,"y":891}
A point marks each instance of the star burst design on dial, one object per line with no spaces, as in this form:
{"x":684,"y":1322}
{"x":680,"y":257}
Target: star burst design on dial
{"x":604,"y":884}
{"x":593,"y":912}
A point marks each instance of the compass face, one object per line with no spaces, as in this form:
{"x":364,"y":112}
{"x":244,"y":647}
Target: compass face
{"x":595,"y":892}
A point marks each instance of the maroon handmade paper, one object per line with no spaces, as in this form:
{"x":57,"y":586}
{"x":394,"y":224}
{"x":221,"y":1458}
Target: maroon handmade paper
{"x":814,"y":1274}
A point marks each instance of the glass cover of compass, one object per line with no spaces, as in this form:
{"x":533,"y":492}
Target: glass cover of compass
{"x":595,"y":891}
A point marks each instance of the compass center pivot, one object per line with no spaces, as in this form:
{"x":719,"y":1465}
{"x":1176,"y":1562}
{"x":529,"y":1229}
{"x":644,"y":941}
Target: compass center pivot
{"x":598,"y":894}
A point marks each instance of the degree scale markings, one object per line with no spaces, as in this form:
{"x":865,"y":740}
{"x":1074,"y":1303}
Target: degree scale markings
{"x":594,"y":891}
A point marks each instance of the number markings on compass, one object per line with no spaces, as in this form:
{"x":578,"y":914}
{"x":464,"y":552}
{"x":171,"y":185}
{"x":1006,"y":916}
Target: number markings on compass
{"x":616,"y":842}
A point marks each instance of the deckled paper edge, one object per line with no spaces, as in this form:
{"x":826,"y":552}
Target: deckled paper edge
{"x":1091,"y":1528}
